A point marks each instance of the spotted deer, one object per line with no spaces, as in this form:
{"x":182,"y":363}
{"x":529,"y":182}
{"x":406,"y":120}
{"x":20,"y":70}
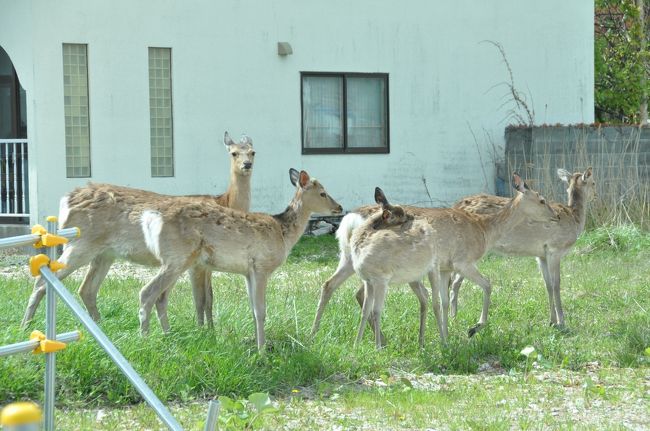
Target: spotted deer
{"x":548,"y":242}
{"x":182,"y":235}
{"x":107,"y":237}
{"x":439,"y":242}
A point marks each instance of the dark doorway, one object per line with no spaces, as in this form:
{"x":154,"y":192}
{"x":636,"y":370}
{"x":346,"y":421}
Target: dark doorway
{"x":14,"y":189}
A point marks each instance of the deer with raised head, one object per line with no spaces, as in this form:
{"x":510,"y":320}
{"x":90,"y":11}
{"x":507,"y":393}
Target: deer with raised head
{"x":105,"y":237}
{"x":252,"y":244}
{"x":455,"y":239}
{"x":238,"y":197}
{"x":548,"y":242}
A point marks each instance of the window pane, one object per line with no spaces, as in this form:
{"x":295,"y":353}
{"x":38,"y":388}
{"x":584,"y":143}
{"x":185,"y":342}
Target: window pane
{"x":160,"y":112}
{"x":322,"y":102}
{"x":366,"y":115}
{"x":77,"y":134}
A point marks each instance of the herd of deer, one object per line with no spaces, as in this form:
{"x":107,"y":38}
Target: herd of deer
{"x":383,"y":244}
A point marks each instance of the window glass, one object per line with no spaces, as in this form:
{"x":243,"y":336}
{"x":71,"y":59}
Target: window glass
{"x":344,"y":113}
{"x":366,"y":112}
{"x":160,"y":112}
{"x":75,"y":100}
{"x":322,"y":112}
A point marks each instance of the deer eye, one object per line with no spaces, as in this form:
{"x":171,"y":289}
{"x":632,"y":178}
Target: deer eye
{"x":253,"y":153}
{"x":542,"y":202}
{"x":233,"y":154}
{"x":323,"y":194}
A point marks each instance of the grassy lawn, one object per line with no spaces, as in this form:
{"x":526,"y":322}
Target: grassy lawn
{"x":594,"y":373}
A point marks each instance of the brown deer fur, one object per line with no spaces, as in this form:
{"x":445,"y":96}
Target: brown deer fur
{"x":251,"y":244}
{"x":548,"y":242}
{"x":111,"y":229}
{"x":455,"y":241}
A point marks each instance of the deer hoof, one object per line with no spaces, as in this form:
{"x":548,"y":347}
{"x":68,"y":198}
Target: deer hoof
{"x":473,"y":330}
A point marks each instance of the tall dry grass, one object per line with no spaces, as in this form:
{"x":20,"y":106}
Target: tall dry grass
{"x":619,"y":158}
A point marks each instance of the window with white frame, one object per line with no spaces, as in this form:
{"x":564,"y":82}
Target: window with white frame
{"x":160,"y":112}
{"x":75,"y":95}
{"x":344,"y":113}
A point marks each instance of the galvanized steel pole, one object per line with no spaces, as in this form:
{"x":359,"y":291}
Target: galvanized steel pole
{"x":50,"y":333}
{"x":213,"y":416}
{"x":115,"y":355}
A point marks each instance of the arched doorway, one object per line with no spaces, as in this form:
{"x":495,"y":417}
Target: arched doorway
{"x":14,"y":181}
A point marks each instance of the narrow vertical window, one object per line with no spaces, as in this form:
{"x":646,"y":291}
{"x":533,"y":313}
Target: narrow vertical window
{"x":160,"y":112}
{"x":75,"y":94}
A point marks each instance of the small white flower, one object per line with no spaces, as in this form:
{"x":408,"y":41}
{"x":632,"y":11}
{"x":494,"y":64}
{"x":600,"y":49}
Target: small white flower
{"x":526,"y":351}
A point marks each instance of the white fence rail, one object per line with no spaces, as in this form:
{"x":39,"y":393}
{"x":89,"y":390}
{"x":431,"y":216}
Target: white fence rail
{"x":14,"y":178}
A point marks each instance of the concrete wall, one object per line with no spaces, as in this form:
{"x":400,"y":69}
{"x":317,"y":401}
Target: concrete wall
{"x":444,"y":87}
{"x":620,"y":157}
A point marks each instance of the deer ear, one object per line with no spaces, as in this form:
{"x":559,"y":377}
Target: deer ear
{"x":294,"y":176}
{"x":304,"y":179}
{"x":564,"y":175}
{"x":380,"y":197}
{"x":587,"y":174}
{"x":518,"y":183}
{"x":227,"y":140}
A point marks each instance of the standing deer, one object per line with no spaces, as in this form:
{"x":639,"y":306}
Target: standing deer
{"x":105,"y":237}
{"x":457,"y":240}
{"x":182,"y":235}
{"x":548,"y":242}
{"x":238,"y":197}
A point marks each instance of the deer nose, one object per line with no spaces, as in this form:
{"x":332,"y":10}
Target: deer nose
{"x":248,"y":165}
{"x":339,"y":209}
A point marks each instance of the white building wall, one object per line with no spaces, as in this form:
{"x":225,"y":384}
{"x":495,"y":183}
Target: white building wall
{"x":446,"y":101}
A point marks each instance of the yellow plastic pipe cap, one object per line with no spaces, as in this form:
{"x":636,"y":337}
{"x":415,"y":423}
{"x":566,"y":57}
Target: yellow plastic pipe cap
{"x":21,"y":413}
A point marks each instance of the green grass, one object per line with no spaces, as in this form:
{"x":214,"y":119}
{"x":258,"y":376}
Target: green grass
{"x":605,"y":291}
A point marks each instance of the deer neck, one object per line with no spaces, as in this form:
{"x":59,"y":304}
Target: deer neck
{"x":239,"y":192}
{"x":577,"y":203}
{"x":293,"y":221}
{"x":502,"y":221}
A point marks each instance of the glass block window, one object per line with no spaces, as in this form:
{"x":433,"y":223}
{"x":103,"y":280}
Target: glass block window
{"x":160,"y":112}
{"x":344,"y":113}
{"x":75,"y":94}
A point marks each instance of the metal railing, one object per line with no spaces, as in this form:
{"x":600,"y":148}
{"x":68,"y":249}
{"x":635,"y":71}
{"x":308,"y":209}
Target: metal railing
{"x":54,"y":287}
{"x":14,"y":178}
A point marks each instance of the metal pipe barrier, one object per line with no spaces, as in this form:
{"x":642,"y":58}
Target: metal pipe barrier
{"x":33,"y":238}
{"x":34,"y":343}
{"x":44,"y":266}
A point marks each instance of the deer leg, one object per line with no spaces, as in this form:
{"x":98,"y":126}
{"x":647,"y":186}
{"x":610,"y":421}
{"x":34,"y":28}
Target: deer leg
{"x":360,"y":295}
{"x":548,"y":282}
{"x":435,"y":298}
{"x":554,"y":273}
{"x":97,"y":271}
{"x":259,"y":304}
{"x":440,"y":296}
{"x":342,"y":273}
{"x":369,"y":298}
{"x":161,"y":310}
{"x":250,"y":288}
{"x":209,"y":298}
{"x":471,"y":272}
{"x":150,"y":293}
{"x":377,"y":308}
{"x":197,"y":279}
{"x":453,"y":300}
{"x":423,"y":297}
{"x":74,"y":257}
